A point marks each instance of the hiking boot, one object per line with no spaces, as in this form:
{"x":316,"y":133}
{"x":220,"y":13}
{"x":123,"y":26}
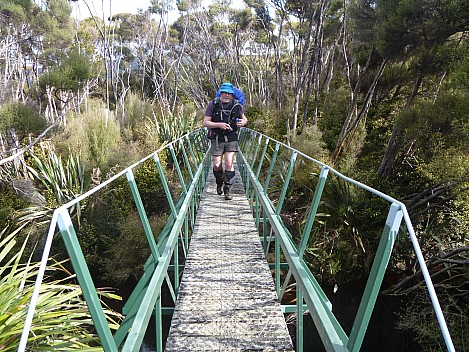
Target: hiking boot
{"x":226,"y":190}
{"x":219,"y":190}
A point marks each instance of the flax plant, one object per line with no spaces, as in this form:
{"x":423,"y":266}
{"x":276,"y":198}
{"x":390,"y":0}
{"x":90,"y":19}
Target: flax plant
{"x":169,"y":126}
{"x":65,"y":182}
{"x":62,"y":321}
{"x":62,"y":182}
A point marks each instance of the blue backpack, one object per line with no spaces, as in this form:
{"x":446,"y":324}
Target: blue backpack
{"x":238,"y":95}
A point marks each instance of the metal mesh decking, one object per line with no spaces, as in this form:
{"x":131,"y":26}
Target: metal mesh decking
{"x":227,"y":300}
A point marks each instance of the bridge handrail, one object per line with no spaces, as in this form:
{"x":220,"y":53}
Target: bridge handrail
{"x":253,"y":140}
{"x":297,"y":268}
{"x":194,"y":139}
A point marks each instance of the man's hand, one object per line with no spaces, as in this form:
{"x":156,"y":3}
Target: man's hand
{"x":224,"y":126}
{"x":241,"y":122}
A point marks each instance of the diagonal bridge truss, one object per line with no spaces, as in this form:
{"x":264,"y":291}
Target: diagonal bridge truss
{"x":268,"y":169}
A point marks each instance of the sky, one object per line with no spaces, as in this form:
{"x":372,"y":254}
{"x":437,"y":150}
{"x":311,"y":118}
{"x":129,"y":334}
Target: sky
{"x":80,"y":10}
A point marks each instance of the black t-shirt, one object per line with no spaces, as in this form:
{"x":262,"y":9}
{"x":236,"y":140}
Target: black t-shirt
{"x":227,"y":113}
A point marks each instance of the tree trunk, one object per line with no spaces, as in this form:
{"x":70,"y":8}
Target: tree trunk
{"x":281,"y":97}
{"x":302,"y":69}
{"x":315,"y":66}
{"x":352,"y":113}
{"x":396,"y":139}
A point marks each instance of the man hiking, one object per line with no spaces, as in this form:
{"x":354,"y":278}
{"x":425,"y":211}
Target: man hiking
{"x":223,"y":117}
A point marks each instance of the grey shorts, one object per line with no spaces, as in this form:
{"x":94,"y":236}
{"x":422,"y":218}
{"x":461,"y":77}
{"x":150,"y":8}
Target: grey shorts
{"x":219,"y":147}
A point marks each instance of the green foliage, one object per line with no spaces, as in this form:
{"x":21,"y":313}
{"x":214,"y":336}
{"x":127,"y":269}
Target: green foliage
{"x":62,"y":320}
{"x":126,"y":256}
{"x":60,"y":10}
{"x":9,"y":203}
{"x":169,"y":126}
{"x":57,"y":34}
{"x":310,"y":142}
{"x":183,"y":5}
{"x":17,"y":10}
{"x":136,"y":111}
{"x":352,"y":149}
{"x":446,"y":119}
{"x":276,"y":123}
{"x":24,"y":118}
{"x":70,"y":75}
{"x":335,"y":111}
{"x":242,"y":18}
{"x":257,"y":118}
{"x":103,"y":136}
{"x":423,"y":323}
{"x":336,"y":251}
{"x":63,"y":183}
{"x":400,"y":25}
{"x":87,"y":35}
{"x":94,"y":137}
{"x":448,"y":164}
{"x":151,"y":188}
{"x":15,"y":198}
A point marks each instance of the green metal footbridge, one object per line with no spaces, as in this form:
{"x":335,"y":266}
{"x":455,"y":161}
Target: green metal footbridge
{"x":212,"y":256}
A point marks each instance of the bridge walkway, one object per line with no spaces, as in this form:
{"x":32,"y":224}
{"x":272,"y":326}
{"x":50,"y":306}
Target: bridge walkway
{"x":227,"y":299}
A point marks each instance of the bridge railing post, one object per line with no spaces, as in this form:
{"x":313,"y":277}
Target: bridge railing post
{"x":299,"y":320}
{"x":178,"y":169}
{"x":186,"y":159}
{"x":382,"y":256}
{"x":320,"y":307}
{"x":142,"y":214}
{"x":145,"y":299}
{"x":307,"y":231}
{"x":77,"y":259}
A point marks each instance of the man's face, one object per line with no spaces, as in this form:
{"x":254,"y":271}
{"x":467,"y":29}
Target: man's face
{"x":226,"y":97}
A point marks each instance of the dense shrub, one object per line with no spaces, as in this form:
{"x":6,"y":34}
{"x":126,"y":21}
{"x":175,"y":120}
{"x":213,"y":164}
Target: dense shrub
{"x":95,"y":137}
{"x":22,"y":118}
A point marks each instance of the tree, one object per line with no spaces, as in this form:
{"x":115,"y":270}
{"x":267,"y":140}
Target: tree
{"x":419,"y":31}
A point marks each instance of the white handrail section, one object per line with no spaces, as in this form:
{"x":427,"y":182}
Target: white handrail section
{"x":410,"y":229}
{"x":37,"y":285}
{"x":50,"y":236}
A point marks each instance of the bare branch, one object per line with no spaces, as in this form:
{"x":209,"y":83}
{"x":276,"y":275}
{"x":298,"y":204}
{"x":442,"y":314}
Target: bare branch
{"x":30,"y":145}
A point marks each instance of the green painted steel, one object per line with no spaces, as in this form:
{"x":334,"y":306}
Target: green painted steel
{"x":178,"y":169}
{"x":158,"y":325}
{"x":142,"y":214}
{"x":186,"y":160}
{"x":259,"y":157}
{"x":307,"y":229}
{"x":383,"y":254}
{"x":313,"y":211}
{"x":84,"y":278}
{"x":292,"y":248}
{"x":332,"y":335}
{"x":286,"y":183}
{"x":277,"y":268}
{"x":145,"y":300}
{"x":165,"y":184}
{"x":299,"y":323}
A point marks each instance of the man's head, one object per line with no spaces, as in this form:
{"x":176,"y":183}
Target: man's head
{"x":227,"y":92}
